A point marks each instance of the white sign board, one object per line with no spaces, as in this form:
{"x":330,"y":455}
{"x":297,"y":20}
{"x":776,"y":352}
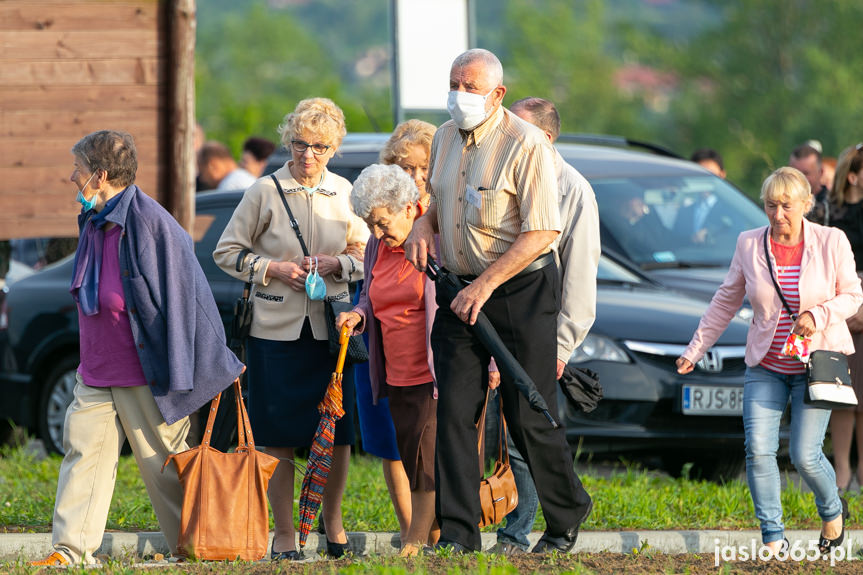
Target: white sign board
{"x":429,"y":35}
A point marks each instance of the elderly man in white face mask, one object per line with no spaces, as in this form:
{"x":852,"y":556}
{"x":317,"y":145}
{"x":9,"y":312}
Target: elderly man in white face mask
{"x":494,"y":202}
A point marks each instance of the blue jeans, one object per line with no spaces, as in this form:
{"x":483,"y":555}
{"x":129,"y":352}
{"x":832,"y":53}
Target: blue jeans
{"x":519,"y":521}
{"x":765,"y":395}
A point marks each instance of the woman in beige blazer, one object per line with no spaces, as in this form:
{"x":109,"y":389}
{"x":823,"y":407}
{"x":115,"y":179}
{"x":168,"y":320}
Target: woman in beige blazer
{"x":288,"y":354}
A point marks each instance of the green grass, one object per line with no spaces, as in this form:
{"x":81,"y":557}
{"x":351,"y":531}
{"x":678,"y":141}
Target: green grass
{"x":627,"y":500}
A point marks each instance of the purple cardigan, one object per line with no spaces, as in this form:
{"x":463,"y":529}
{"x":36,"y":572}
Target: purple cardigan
{"x":175,"y":322}
{"x":377,"y":365}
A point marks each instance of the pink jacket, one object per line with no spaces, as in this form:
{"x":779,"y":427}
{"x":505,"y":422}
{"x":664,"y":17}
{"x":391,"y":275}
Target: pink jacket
{"x":829,"y":290}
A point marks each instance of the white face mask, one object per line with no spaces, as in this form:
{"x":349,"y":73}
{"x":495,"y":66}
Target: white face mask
{"x":467,"y":109}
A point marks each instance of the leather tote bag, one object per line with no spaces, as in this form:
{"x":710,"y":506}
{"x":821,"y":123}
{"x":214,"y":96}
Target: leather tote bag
{"x":498,"y":494}
{"x":829,"y":380}
{"x":224,"y":514}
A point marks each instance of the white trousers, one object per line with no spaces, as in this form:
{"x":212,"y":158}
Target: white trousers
{"x":97,"y":423}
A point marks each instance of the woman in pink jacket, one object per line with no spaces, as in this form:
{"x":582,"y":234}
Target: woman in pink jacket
{"x":814,"y":268}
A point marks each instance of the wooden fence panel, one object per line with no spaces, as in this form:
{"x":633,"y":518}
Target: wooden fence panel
{"x":60,"y":80}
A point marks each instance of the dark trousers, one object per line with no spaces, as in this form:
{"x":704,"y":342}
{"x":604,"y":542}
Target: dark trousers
{"x":524,"y":311}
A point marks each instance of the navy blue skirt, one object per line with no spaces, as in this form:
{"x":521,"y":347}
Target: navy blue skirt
{"x":287,"y":381}
{"x":376,"y":424}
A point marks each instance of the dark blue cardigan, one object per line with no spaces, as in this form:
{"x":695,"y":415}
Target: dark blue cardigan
{"x":176,"y":325}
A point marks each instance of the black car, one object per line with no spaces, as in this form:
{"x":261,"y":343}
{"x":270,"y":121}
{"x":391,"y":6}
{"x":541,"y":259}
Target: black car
{"x":641,"y":328}
{"x":648,"y":411}
{"x":668,"y":188}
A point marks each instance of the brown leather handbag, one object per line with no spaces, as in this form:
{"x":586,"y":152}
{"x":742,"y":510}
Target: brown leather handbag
{"x":498,"y":494}
{"x":224,"y":512}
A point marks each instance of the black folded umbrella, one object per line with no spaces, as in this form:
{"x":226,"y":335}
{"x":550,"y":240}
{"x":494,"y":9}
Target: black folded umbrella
{"x":449,"y":285}
{"x":241,"y":325}
{"x":581,"y":387}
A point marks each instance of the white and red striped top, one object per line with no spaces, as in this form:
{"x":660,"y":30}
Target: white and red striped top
{"x":788,"y":260}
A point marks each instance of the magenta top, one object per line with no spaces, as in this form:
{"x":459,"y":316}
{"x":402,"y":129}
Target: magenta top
{"x":108,"y":355}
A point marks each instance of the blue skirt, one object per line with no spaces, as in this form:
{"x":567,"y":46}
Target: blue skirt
{"x":376,"y":424}
{"x":287,"y":381}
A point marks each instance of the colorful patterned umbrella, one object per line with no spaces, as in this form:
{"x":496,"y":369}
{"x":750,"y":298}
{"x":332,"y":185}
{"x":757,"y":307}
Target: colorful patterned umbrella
{"x":321,"y":452}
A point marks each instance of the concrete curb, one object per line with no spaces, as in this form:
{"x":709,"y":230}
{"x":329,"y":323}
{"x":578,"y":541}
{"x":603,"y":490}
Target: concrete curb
{"x":125,"y":544}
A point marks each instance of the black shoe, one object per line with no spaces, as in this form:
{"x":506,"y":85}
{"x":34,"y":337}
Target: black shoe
{"x":448,"y":546}
{"x":563,"y":543}
{"x":292,"y":555}
{"x":338,"y":550}
{"x":506,"y":548}
{"x":825,"y":545}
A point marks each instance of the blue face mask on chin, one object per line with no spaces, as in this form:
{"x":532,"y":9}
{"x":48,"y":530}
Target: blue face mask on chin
{"x":315,"y":287}
{"x":88,"y":204}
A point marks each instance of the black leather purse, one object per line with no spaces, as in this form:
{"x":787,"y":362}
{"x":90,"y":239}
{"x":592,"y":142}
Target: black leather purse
{"x":829,"y":381}
{"x":357,"y":352}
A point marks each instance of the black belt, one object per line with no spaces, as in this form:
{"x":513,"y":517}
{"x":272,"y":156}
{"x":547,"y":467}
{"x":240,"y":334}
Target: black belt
{"x":537,"y":264}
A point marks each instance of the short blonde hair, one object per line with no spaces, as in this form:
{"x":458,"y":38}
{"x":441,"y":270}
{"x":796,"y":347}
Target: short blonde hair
{"x":787,"y":184}
{"x":406,"y":134}
{"x":315,"y":116}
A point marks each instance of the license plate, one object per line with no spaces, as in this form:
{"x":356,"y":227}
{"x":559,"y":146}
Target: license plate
{"x":712,"y":400}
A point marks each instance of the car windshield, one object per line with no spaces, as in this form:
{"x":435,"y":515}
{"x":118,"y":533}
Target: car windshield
{"x":679,"y":221}
{"x":610,"y":271}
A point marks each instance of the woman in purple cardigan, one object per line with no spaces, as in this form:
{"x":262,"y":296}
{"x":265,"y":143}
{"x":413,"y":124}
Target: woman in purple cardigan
{"x":152,"y":348}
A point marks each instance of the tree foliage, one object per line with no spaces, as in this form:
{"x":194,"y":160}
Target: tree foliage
{"x":751,"y":78}
{"x":768,"y":76}
{"x":254,"y":62}
{"x":555,"y":49}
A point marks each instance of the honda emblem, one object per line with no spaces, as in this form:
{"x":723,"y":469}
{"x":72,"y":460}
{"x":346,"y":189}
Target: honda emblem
{"x":711,"y":362}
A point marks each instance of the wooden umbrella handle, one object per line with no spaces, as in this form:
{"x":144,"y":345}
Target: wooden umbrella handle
{"x":344,"y":335}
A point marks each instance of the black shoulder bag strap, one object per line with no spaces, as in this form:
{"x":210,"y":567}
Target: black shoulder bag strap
{"x":791,"y":314}
{"x":294,"y":223}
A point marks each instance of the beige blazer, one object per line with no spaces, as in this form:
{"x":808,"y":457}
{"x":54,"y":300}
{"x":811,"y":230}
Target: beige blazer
{"x":261,"y":224}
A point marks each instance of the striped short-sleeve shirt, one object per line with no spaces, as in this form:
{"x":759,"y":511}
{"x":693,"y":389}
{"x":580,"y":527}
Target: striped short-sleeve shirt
{"x":490,"y":185}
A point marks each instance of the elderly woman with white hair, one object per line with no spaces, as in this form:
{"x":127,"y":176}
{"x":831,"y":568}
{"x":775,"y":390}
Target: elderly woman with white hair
{"x":396,"y":308}
{"x":814,"y":268}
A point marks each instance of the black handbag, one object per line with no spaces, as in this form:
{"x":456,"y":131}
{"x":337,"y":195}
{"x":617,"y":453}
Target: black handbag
{"x":241,"y":324}
{"x":357,"y":352}
{"x":829,"y":384}
{"x":827,"y":372}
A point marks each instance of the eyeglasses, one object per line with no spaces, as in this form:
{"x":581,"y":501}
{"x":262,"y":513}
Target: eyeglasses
{"x":300,"y":147}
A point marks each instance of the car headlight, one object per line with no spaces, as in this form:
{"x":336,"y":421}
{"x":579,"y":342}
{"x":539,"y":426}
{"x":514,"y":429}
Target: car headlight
{"x":600,"y":348}
{"x":745,"y":313}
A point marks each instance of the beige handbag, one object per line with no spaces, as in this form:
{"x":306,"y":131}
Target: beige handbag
{"x":225,"y":514}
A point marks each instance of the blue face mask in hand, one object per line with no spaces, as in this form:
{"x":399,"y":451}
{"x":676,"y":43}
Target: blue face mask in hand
{"x":315,"y":287}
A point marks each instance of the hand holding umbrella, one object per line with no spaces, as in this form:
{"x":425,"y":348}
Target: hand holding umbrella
{"x":321,"y":452}
{"x":449,"y":286}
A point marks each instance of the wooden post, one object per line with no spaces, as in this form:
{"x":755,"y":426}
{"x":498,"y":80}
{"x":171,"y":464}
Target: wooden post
{"x":181,"y":163}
